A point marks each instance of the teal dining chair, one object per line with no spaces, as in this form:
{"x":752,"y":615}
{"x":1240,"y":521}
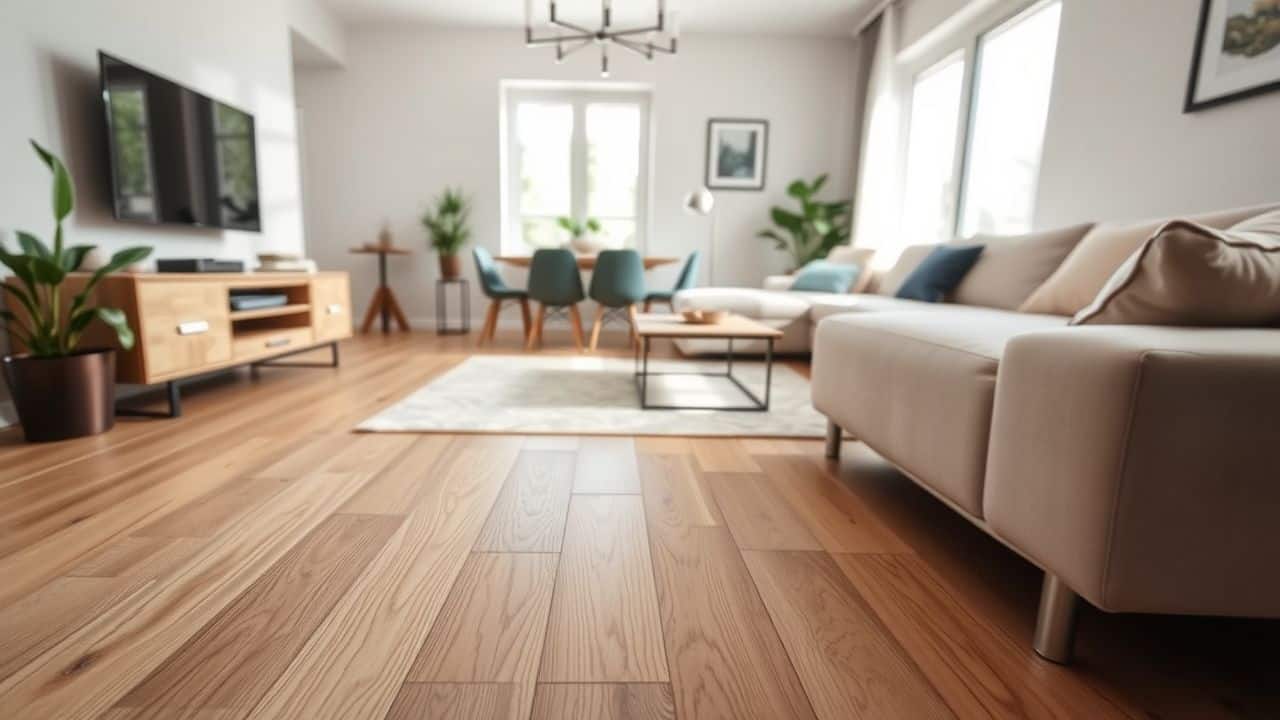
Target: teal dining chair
{"x":498,"y":292}
{"x":616,"y":284}
{"x":555,"y":284}
{"x":687,"y":278}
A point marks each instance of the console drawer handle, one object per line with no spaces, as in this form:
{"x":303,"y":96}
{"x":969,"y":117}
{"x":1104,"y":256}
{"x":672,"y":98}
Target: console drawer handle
{"x":334,"y":309}
{"x":278,"y":342}
{"x":193,"y":327}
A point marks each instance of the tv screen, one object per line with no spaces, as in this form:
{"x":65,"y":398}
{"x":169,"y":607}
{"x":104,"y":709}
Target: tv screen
{"x":177,"y":156}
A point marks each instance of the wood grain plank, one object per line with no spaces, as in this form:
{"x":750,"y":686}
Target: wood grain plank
{"x":604,"y":624}
{"x":726,"y":658}
{"x":530,"y":513}
{"x":492,"y":627}
{"x":605,"y":701}
{"x":675,"y":495}
{"x":563,"y":443}
{"x":606,"y":465}
{"x":723,"y":455}
{"x":204,"y":515}
{"x":120,"y":556}
{"x":88,"y":671}
{"x":757,"y":514}
{"x":453,"y":701}
{"x":355,"y":661}
{"x":851,"y":667}
{"x":835,"y":516}
{"x":230,"y":664}
{"x":396,"y":490}
{"x":978,"y":669}
{"x":664,"y":445}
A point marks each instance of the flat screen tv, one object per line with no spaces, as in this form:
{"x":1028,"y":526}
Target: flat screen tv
{"x":177,"y":156}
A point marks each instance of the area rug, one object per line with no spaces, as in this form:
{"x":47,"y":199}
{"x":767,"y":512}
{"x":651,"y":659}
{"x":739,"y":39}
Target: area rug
{"x":597,"y":396}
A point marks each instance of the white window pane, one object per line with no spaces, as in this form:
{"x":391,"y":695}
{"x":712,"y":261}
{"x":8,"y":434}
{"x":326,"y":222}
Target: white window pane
{"x":613,"y":159}
{"x":618,"y":233}
{"x":544,"y":133}
{"x":928,"y":197}
{"x":1015,"y":72}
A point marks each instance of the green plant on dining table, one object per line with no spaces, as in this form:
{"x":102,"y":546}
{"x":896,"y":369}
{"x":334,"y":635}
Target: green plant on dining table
{"x":577,"y":228}
{"x":818,"y":227}
{"x":45,"y":330}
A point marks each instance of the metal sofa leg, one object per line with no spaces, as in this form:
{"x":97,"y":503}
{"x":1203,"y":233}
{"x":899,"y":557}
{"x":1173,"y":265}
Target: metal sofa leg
{"x":834,"y":435}
{"x":1056,"y":622}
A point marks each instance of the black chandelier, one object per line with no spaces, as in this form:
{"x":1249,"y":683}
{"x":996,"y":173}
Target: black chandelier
{"x":640,"y":40}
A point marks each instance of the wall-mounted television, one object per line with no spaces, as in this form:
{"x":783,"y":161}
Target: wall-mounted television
{"x":177,"y":156}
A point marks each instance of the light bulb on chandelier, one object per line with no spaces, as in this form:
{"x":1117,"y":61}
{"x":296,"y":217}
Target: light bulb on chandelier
{"x":643,"y":41}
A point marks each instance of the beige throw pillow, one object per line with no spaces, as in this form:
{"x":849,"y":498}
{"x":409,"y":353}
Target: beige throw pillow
{"x":1086,"y":270}
{"x":1012,"y":267}
{"x":1189,"y":274}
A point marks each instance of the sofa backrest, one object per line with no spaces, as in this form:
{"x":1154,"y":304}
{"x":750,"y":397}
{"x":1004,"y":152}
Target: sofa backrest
{"x":890,"y":280}
{"x":1011,"y":267}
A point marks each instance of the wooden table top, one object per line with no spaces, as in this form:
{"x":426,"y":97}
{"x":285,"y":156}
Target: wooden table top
{"x":674,"y":326}
{"x":375,"y":250}
{"x":585,"y":262}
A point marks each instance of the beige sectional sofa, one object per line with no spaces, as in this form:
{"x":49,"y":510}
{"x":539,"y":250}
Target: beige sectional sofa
{"x":1136,"y":465}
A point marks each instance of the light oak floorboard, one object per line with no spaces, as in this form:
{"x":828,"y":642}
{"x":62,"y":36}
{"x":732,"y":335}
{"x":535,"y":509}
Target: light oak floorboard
{"x":453,"y":701}
{"x":530,"y":513}
{"x":758,"y":515}
{"x":676,"y":496}
{"x":850,"y":666}
{"x":606,"y":465}
{"x":728,"y":455}
{"x":604,"y":624}
{"x":605,"y":701}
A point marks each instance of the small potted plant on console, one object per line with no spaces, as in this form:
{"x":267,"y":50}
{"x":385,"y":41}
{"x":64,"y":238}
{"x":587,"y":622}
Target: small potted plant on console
{"x":60,"y":389}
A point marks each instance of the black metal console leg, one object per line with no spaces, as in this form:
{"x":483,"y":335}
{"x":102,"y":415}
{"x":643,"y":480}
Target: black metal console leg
{"x":174,"y":395}
{"x":333,"y":348}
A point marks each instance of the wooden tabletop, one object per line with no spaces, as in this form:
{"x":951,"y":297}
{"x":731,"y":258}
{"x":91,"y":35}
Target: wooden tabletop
{"x":376,"y":250}
{"x":674,"y":326}
{"x":585,"y":262}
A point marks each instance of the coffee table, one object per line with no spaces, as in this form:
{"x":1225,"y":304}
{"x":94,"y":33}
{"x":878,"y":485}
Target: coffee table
{"x":733,"y":327}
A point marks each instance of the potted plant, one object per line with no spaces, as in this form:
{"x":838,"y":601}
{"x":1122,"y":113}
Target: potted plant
{"x":584,"y":236}
{"x":447,"y":224}
{"x":60,"y":389}
{"x":816,"y":229}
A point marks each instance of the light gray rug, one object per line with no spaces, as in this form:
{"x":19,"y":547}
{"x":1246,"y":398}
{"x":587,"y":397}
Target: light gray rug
{"x":597,"y":396}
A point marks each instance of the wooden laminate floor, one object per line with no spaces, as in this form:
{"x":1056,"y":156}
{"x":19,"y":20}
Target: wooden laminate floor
{"x":256,"y":559}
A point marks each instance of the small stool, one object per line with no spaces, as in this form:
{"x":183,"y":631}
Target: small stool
{"x":442,"y":307}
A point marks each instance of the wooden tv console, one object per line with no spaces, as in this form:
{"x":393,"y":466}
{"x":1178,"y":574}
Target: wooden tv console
{"x":185,"y":326}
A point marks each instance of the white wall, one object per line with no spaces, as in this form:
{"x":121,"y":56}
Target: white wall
{"x":417,"y":109}
{"x":1117,"y":143}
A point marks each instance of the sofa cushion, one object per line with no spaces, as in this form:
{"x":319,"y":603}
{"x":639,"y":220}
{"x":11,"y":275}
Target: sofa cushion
{"x":849,"y":255}
{"x":1188,"y":274}
{"x":1087,"y":269}
{"x":939,"y":273}
{"x":918,"y":388}
{"x":1013,"y":266}
{"x":829,"y":305}
{"x":748,"y":302}
{"x":826,"y":276}
{"x":889,"y":281}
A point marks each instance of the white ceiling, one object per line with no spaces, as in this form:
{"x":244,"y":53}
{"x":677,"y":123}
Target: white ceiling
{"x":782,"y":17}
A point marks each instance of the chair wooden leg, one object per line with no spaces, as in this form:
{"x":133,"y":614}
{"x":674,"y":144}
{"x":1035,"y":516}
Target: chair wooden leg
{"x":575,"y":320}
{"x":535,"y":336}
{"x":648,"y":304}
{"x":595,"y":327}
{"x":525,"y":317}
{"x":632,"y":319}
{"x":490,"y":321}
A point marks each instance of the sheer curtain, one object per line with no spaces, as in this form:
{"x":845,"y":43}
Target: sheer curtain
{"x":879,"y":199}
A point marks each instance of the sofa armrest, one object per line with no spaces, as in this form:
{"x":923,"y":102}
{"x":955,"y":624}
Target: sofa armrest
{"x":1142,"y":465}
{"x":779,"y":282}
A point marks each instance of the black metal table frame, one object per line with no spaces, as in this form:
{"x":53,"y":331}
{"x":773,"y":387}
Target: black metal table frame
{"x":442,"y":306}
{"x":756,"y":404}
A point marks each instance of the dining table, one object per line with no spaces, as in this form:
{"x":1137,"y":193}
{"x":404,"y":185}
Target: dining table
{"x":586,"y":262}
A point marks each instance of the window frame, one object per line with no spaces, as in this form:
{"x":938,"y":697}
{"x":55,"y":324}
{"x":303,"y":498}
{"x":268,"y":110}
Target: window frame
{"x":967,"y":39}
{"x":578,"y":96}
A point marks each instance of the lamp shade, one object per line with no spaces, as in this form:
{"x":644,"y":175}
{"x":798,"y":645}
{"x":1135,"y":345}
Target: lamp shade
{"x":699,"y":202}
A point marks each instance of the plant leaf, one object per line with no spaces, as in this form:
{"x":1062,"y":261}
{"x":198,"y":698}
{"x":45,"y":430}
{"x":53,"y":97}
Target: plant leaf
{"x":816,"y":187}
{"x":117,"y":320}
{"x":31,"y":245}
{"x":63,"y":193}
{"x":46,"y":271}
{"x":19,"y":265}
{"x":27,"y":302}
{"x":788,"y":220}
{"x":74,"y":256}
{"x":799,"y":190}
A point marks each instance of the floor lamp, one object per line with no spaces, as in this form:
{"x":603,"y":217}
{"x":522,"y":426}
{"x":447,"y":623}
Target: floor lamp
{"x":702,"y":202}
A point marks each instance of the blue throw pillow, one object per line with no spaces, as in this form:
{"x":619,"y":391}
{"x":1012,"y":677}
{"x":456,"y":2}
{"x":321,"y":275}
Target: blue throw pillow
{"x":939,"y":273}
{"x":824,"y":276}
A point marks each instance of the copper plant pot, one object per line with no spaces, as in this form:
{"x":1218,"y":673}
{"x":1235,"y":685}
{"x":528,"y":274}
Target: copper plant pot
{"x":450,"y":267}
{"x":63,"y":397}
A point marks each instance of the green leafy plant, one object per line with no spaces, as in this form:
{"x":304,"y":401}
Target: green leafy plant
{"x":577,"y":228}
{"x":40,"y":272}
{"x":819,"y":226}
{"x":448,"y":221}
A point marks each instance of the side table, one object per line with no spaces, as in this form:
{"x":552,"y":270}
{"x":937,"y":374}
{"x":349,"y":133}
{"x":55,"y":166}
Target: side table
{"x":442,"y":306}
{"x":383,"y":303}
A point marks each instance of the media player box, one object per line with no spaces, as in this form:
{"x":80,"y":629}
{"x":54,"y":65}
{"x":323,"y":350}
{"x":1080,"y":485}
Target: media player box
{"x":199,"y":265}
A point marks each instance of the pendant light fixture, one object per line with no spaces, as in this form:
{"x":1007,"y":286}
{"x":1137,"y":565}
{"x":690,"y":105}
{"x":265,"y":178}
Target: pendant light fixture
{"x":661,"y":37}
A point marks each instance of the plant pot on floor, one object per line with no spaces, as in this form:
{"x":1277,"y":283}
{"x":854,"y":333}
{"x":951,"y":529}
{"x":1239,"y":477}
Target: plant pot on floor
{"x":59,"y":398}
{"x":450,"y":267}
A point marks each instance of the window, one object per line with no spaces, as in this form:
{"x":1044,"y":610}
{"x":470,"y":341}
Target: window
{"x":1011,"y":106}
{"x":928,"y":207}
{"x":996,"y":118}
{"x":576,"y":153}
